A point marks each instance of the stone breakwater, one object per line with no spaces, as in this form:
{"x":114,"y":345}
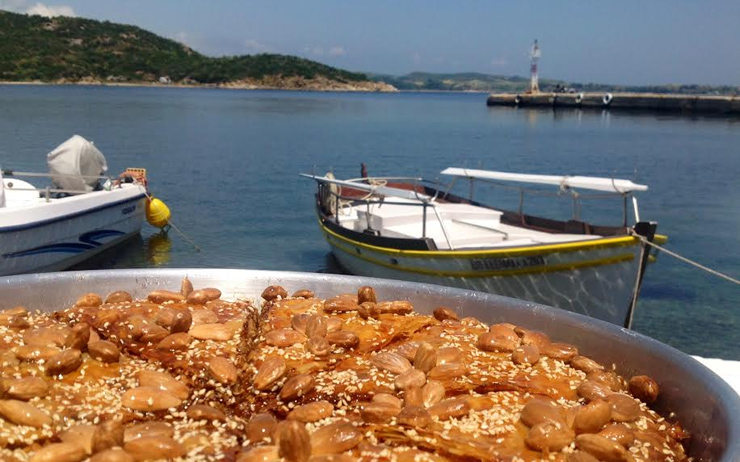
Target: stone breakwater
{"x":694,"y":104}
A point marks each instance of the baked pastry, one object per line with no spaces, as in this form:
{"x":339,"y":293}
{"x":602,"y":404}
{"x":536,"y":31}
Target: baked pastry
{"x":187,"y":376}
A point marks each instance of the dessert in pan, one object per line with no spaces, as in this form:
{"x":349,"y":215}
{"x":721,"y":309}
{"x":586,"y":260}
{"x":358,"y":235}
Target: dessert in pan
{"x":188,"y":376}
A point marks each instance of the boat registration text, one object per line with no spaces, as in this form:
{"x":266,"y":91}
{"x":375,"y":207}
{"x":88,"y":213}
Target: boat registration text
{"x":483,"y":264}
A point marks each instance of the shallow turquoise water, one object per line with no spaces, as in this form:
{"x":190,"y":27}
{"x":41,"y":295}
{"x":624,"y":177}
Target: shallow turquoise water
{"x":226,"y":162}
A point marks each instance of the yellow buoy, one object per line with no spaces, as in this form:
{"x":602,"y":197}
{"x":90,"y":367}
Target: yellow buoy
{"x":157,"y":213}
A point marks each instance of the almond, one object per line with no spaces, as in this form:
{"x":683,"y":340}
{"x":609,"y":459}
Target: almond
{"x":391,"y":362}
{"x":318,"y":346}
{"x":153,"y":448}
{"x":271,"y":370}
{"x":591,"y":390}
{"x":333,"y":325}
{"x":335,"y":438}
{"x":104,"y":351}
{"x":112,"y":455}
{"x":366,"y":294}
{"x":223,"y":370}
{"x":261,"y":427}
{"x":443,"y":314}
{"x":592,"y":417}
{"x":149,"y":399}
{"x":312,"y":412}
{"x":296,"y":386}
{"x":46,"y":337}
{"x":410,"y":378}
{"x":148,"y":429}
{"x":619,"y":433}
{"x":316,"y":326}
{"x":303,"y":293}
{"x":587,"y":365}
{"x":203,"y":316}
{"x":174,"y":320}
{"x":448,"y":355}
{"x":81,"y":435}
{"x":119,"y":296}
{"x":272,"y":293}
{"x":36,"y":352}
{"x":491,"y":341}
{"x":161,"y":296}
{"x":378,"y":412}
{"x":414,"y":416}
{"x":388,"y":399}
{"x":89,"y":300}
{"x":267,"y":453}
{"x":534,"y":337}
{"x":214,"y":331}
{"x":644,"y":388}
{"x":399,"y":307}
{"x":541,"y":410}
{"x":14,"y":321}
{"x":299,"y":321}
{"x":603,"y":449}
{"x":623,"y":408}
{"x":413,"y":396}
{"x":448,"y":371}
{"x":59,"y":452}
{"x":64,"y":362}
{"x":78,"y":337}
{"x":107,"y":435}
{"x":203,"y":296}
{"x":22,"y":413}
{"x":549,"y":436}
{"x":425,"y":358}
{"x":179,"y":342}
{"x":23,"y":389}
{"x":294,"y":442}
{"x":432,"y":393}
{"x":203,"y":412}
{"x":560,"y":351}
{"x":163,"y":381}
{"x":448,"y":408}
{"x":186,"y":287}
{"x":526,"y":354}
{"x":340,"y":305}
{"x":282,"y":338}
{"x":343,"y":339}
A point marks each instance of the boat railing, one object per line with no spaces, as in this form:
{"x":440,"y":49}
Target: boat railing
{"x":48,"y":191}
{"x":577,"y":196}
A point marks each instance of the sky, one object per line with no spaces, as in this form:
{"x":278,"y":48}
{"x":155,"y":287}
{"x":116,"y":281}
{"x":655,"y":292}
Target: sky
{"x":630,"y":42}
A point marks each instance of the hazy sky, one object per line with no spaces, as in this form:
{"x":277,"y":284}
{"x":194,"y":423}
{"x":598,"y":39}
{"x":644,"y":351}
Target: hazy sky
{"x":620,"y":42}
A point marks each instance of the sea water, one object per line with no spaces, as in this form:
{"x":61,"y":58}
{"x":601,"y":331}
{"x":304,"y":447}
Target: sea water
{"x":227,"y":162}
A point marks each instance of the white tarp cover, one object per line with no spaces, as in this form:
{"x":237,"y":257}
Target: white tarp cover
{"x":73,"y":158}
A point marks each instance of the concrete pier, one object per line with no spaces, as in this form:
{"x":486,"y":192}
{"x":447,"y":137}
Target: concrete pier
{"x":694,"y":104}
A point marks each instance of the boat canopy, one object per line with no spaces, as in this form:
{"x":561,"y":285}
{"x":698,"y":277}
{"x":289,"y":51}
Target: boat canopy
{"x":72,"y":161}
{"x":582,"y":182}
{"x":379,"y":190}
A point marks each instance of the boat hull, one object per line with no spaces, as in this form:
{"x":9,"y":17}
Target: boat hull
{"x":597,"y":279}
{"x":67,"y":237}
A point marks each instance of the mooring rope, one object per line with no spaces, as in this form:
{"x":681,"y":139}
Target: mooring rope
{"x":685,"y":260}
{"x":172,"y":225}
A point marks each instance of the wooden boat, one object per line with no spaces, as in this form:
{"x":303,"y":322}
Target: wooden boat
{"x":78,"y":216}
{"x":416,"y":230}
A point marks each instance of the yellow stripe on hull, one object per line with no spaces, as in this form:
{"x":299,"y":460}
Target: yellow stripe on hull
{"x":570,"y":266}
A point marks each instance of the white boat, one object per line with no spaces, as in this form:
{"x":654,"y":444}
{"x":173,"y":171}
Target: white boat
{"x":410,"y":229}
{"x":76,"y":217}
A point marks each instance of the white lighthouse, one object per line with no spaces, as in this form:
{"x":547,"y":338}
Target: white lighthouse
{"x":534,"y":54}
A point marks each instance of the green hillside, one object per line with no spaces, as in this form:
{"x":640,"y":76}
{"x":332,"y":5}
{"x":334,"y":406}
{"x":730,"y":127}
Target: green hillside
{"x":36,"y":48}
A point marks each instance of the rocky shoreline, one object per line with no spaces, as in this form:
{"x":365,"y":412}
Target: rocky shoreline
{"x":266,"y":83}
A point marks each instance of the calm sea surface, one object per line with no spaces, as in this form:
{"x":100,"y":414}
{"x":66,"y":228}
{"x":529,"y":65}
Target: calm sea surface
{"x":227,"y":162}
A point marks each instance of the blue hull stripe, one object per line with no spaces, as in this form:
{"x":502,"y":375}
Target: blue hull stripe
{"x":86,"y":243}
{"x":37,"y":224}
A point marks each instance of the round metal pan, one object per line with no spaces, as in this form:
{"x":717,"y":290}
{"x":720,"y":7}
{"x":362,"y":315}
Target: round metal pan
{"x":703,"y":403}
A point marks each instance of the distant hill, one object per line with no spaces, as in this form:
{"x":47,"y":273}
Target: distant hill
{"x":423,"y":81}
{"x":63,"y":49}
